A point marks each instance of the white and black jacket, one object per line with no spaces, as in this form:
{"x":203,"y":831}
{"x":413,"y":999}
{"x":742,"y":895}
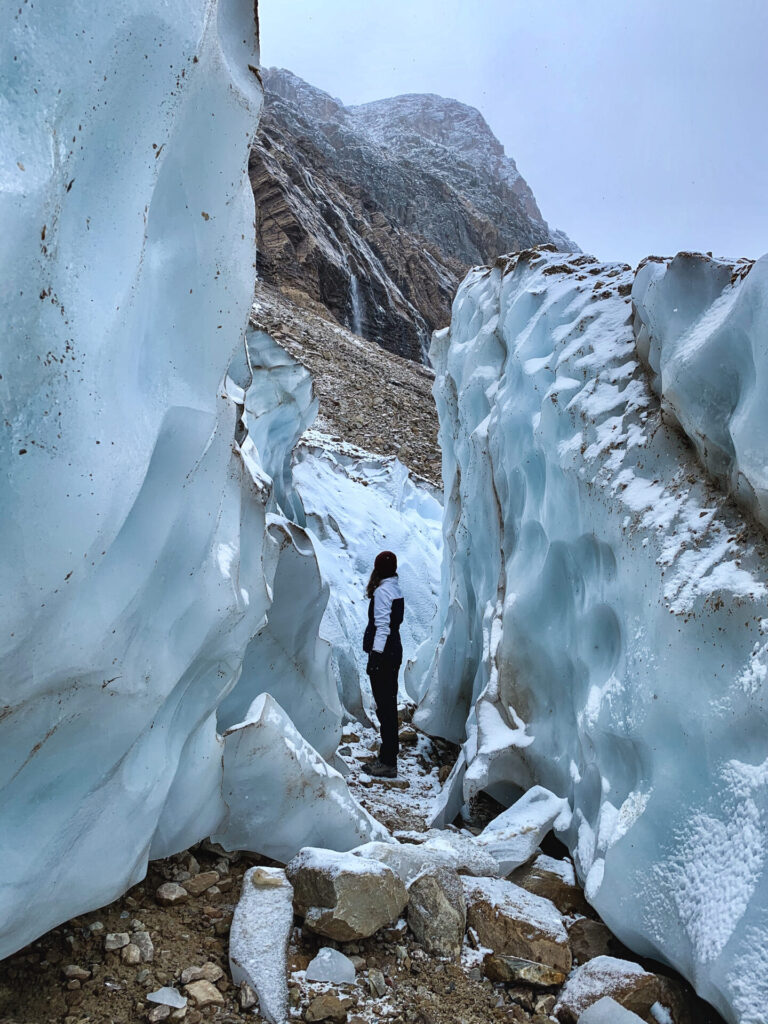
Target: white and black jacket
{"x":385,"y":613}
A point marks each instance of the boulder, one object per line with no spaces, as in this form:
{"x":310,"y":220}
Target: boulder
{"x":588,"y":939}
{"x":437,"y":911}
{"x":508,"y":919}
{"x":512,"y":970}
{"x":555,"y":880}
{"x":631,"y":986}
{"x":343,"y":896}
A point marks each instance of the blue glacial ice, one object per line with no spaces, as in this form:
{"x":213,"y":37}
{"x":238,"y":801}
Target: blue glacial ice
{"x":603,"y":624}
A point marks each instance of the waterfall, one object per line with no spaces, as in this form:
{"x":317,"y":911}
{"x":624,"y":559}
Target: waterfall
{"x":358,"y":311}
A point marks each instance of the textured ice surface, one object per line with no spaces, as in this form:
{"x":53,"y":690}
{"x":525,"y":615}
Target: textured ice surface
{"x":150,"y":567}
{"x":702,"y":327}
{"x":281,"y":794}
{"x":331,"y":965}
{"x":605,"y":623}
{"x":608,"y":1011}
{"x":514,"y":836}
{"x":258,"y":939}
{"x":356,"y":505}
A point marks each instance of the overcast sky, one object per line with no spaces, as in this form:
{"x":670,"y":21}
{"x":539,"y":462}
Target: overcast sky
{"x":640,"y":125}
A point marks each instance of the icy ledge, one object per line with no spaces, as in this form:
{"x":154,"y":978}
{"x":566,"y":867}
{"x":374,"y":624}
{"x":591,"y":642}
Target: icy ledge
{"x":604,"y":613}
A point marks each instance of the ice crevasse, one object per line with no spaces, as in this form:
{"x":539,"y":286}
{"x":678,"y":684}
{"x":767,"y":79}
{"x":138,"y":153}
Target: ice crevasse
{"x":155,"y":577}
{"x":603,"y":627}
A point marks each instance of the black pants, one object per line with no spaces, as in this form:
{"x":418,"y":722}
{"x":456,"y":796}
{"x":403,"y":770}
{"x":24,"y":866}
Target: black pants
{"x":383,"y":674}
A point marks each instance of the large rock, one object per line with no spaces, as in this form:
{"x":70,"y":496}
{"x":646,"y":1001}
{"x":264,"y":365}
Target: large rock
{"x":555,"y":880}
{"x":629,"y":984}
{"x":589,"y":939}
{"x":343,"y":896}
{"x":507,"y":919}
{"x":437,"y":911}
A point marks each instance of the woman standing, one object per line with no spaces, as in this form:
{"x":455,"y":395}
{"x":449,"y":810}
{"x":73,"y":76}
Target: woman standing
{"x":381,"y":642}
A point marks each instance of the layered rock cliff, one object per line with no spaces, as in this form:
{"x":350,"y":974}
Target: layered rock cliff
{"x":377,"y":211}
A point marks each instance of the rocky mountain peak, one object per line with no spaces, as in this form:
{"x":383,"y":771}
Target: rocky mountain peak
{"x":377,"y":211}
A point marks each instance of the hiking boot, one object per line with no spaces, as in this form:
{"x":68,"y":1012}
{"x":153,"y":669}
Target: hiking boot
{"x":379,"y":770}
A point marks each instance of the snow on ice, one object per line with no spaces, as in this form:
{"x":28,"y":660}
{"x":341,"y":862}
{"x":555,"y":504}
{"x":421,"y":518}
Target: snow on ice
{"x":601,"y":626}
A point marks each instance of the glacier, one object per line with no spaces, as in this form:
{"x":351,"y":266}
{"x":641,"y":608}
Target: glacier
{"x":157,"y":581}
{"x":603,"y":622}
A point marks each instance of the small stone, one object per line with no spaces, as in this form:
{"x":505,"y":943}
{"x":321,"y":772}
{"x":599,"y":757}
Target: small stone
{"x":544,"y":1005}
{"x":358,"y":962}
{"x":475,"y":974}
{"x":143,"y":976}
{"x":515,"y":970}
{"x":197,"y":886}
{"x":137,"y":926}
{"x":146,"y":948}
{"x":246,"y":997}
{"x":443,"y":772}
{"x":408,"y":736}
{"x":213,"y":912}
{"x":73,"y":985}
{"x":116,"y":940}
{"x":377,"y":983}
{"x":130,"y":954}
{"x":179,"y":1014}
{"x":208,"y":972}
{"x":225,"y":884}
{"x":327,"y":1007}
{"x":78,"y":973}
{"x":96,"y":926}
{"x":158,"y":1013}
{"x":171,"y":893}
{"x":204,"y":993}
{"x":192,"y":864}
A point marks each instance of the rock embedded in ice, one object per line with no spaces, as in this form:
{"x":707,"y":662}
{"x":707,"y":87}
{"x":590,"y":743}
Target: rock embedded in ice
{"x":167,"y":996}
{"x":608,"y":1011}
{"x":258,"y":939}
{"x":588,"y":638}
{"x":332,"y":966}
{"x":507,"y":919}
{"x":343,"y":896}
{"x":282,"y":795}
{"x":437,"y":911}
{"x":628,"y":983}
{"x":513,"y":837}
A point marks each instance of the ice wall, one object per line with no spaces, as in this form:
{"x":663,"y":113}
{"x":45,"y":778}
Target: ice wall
{"x":144,"y":547}
{"x":604,"y":614}
{"x":702,"y":328}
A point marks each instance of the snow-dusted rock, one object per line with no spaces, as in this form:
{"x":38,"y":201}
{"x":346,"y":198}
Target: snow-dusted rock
{"x":343,"y":896}
{"x":555,"y":880}
{"x":604,"y":633}
{"x":701,"y":325}
{"x":258,"y":939}
{"x":282,"y":795}
{"x":332,"y":966}
{"x":437,"y":911}
{"x":608,"y":1011}
{"x":507,"y":919}
{"x":628,"y":984}
{"x":513,"y":837}
{"x":452,"y":850}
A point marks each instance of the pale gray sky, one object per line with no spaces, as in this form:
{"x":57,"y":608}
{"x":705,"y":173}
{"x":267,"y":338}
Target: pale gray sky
{"x":639,"y":124}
